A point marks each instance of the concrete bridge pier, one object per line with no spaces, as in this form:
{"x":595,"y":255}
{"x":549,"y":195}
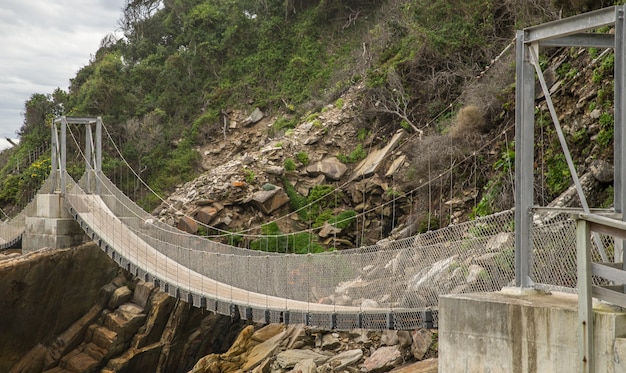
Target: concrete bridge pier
{"x":52,"y":226}
{"x":513,"y":331}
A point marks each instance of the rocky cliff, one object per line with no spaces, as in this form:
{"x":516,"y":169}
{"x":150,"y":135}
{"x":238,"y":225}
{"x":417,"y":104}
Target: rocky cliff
{"x":74,"y":310}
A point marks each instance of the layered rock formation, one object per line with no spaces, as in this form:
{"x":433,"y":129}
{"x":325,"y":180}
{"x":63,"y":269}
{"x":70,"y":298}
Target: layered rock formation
{"x":74,"y":310}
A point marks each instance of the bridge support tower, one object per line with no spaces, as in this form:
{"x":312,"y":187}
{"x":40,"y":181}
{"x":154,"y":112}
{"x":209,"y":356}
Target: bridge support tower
{"x":52,"y":225}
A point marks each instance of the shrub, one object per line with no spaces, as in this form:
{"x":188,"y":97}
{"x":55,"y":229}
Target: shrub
{"x":289,"y":164}
{"x":303,"y":158}
{"x":343,"y":220}
{"x":469,"y":120}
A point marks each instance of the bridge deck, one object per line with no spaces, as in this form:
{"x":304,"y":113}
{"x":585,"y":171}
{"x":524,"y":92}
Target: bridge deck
{"x":94,"y":213}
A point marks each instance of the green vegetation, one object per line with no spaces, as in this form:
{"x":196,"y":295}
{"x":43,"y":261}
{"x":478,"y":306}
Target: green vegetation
{"x":355,"y":156}
{"x":289,"y":164}
{"x":273,"y":240}
{"x":605,"y":136}
{"x":249,"y":175}
{"x":303,"y":158}
{"x":503,"y":167}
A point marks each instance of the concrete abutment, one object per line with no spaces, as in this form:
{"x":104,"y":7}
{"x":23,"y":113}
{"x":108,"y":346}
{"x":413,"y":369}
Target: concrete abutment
{"x":525,"y":332}
{"x":52,"y":226}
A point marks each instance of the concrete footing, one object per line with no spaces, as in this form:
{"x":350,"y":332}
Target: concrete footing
{"x":525,"y":332}
{"x":52,"y":226}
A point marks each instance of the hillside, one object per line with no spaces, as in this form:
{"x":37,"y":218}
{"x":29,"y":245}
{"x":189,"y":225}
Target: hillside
{"x":328,"y":81}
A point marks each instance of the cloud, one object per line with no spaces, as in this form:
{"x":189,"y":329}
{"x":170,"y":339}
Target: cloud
{"x":42,"y":46}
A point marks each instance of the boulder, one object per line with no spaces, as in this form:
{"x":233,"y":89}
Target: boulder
{"x":268,"y":201}
{"x":372,"y":162}
{"x":383,"y":360}
{"x":263,"y":350}
{"x":289,"y":358}
{"x":395,"y":166}
{"x":330,"y":341}
{"x":126,"y":320}
{"x":305,"y":366}
{"x":275,"y":170}
{"x":601,"y":170}
{"x":329,"y":230}
{"x":253,"y":118}
{"x":330,"y":167}
{"x":187,"y":224}
{"x":422,"y":341}
{"x":206,"y":214}
{"x":345,"y":358}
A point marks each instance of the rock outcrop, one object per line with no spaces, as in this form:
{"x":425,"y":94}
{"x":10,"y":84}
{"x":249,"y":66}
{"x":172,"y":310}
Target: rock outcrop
{"x":295,"y":348}
{"x":74,"y":310}
{"x":44,"y":293}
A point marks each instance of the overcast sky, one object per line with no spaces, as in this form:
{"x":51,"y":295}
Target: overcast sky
{"x":43,"y":43}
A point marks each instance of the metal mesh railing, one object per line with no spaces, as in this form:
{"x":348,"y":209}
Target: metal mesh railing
{"x":396,"y":277}
{"x":554,"y":252}
{"x":11,"y":231}
{"x":344,"y":289}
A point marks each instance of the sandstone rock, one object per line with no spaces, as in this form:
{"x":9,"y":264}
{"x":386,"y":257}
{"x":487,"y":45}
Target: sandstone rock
{"x":305,"y":366}
{"x":208,"y":364}
{"x":72,"y":337}
{"x":430,"y":275}
{"x":105,"y":338}
{"x":136,"y":360}
{"x":383,"y":360}
{"x":268,"y":201}
{"x":422,"y":340}
{"x":253,"y":118}
{"x":263,"y":350}
{"x":51,"y":289}
{"x":330,"y":341}
{"x":475,"y":272}
{"x":329,"y":230}
{"x":342,"y":360}
{"x":125,"y":321}
{"x":240,"y":345}
{"x":389,"y":338}
{"x":404,"y":338}
{"x":161,"y":305}
{"x":289,"y":358}
{"x":142,"y":293}
{"x":187,"y":224}
{"x":425,"y":366}
{"x":372,"y":162}
{"x":120,"y":295}
{"x":395,"y":166}
{"x":267,"y":332}
{"x":33,"y":361}
{"x":601,"y":170}
{"x":206,"y":214}
{"x":81,"y":363}
{"x":275,"y":170}
{"x":499,"y":241}
{"x":330,"y":167}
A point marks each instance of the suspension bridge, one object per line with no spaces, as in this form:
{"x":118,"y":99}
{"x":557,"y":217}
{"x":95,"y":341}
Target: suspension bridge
{"x":391,"y":285}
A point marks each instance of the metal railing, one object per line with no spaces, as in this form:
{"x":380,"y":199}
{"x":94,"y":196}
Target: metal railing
{"x":604,"y":281}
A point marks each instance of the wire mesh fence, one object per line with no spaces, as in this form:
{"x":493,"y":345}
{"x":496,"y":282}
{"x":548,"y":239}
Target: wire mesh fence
{"x":11,"y":230}
{"x":383,"y":285}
